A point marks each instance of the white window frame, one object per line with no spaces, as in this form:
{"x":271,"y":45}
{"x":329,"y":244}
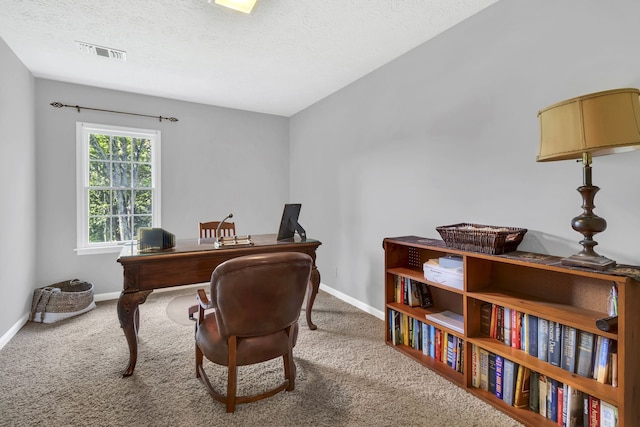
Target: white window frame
{"x":82,"y":178}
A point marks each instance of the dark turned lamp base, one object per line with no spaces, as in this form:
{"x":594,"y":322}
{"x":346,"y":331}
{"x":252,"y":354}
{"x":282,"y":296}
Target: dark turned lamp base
{"x":597,"y":262}
{"x":588,"y":224}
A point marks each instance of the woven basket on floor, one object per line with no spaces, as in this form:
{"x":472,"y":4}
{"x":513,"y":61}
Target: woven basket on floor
{"x":61,"y":300}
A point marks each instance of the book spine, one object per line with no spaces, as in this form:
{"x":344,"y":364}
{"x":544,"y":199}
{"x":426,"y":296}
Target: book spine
{"x":514,"y":329}
{"x":543,"y":392}
{"x":594,"y":412}
{"x":534,"y":388}
{"x":603,"y":361}
{"x":562,"y":415}
{"x":532,"y":348}
{"x":500,"y":325}
{"x":484,"y":369}
{"x":485,"y":319}
{"x":494,"y":321}
{"x":524,"y":340}
{"x":543,"y":339}
{"x":584,"y":354}
{"x":509,"y":378}
{"x":507,"y":326}
{"x":569,"y":348}
{"x":608,"y":415}
{"x":499,"y":376}
{"x":555,"y":343}
{"x":492,"y":373}
{"x":553,"y":401}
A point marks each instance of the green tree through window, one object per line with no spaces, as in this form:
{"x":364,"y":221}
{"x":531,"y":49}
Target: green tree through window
{"x":118,"y":183}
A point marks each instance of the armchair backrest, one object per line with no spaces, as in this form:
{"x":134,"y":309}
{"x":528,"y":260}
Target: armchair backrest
{"x":259,"y":294}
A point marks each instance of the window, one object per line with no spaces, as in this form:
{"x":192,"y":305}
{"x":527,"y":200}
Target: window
{"x":118,"y":185}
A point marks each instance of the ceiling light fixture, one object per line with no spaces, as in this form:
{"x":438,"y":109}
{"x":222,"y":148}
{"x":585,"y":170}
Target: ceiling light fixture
{"x":244,"y":6}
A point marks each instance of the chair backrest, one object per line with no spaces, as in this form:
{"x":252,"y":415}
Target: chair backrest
{"x":257,"y":295}
{"x":208,"y":229}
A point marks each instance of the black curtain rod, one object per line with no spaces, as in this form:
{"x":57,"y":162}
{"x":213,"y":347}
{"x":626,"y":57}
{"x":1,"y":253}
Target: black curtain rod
{"x":77,"y":107}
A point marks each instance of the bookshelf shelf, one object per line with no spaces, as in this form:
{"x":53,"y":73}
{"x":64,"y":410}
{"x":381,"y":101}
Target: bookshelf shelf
{"x":533,"y":286}
{"x":577,"y":317}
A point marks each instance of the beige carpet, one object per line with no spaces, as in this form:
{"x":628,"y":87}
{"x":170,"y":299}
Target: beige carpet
{"x":69,"y":374}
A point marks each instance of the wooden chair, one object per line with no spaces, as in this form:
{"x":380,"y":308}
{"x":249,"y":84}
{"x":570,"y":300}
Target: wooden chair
{"x":257,"y":301}
{"x":208,"y":229}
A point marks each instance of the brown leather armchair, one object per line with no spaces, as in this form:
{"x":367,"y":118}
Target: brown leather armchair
{"x":257,"y":301}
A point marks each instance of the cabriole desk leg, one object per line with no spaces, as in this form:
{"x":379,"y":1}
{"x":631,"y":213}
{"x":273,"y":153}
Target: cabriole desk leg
{"x":130,"y":322}
{"x":314,"y":285}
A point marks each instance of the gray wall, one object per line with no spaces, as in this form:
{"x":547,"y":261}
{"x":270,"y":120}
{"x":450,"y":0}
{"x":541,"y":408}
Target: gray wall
{"x":17,"y":190}
{"x":448,"y":133}
{"x":214,"y":161}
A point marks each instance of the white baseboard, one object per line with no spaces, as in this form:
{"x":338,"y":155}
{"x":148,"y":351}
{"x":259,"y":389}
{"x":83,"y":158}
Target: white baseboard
{"x":115,"y":295}
{"x":352,"y":301}
{"x":13,"y":330}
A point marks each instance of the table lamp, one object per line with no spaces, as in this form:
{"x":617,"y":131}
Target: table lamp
{"x":581,"y":128}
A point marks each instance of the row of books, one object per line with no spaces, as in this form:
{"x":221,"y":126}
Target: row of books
{"x":574,"y":350}
{"x":412,"y":292}
{"x":520,"y":387}
{"x":430,"y":340}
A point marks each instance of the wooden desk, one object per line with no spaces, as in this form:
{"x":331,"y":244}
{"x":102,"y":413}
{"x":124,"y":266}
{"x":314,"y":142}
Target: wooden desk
{"x":189,"y":263}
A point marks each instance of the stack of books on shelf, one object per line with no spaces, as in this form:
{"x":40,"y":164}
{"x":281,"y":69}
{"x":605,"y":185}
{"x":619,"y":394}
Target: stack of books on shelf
{"x":412,"y":292}
{"x":521,"y":387}
{"x":426,"y":338}
{"x":579,"y":352}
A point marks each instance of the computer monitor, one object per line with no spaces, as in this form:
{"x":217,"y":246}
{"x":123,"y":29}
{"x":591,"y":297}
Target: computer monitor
{"x":289,"y":223}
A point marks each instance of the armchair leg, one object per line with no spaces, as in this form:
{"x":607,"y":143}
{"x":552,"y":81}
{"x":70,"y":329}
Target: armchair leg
{"x":289,"y":370}
{"x":232,"y":375}
{"x":193,"y":310}
{"x":199,"y":358}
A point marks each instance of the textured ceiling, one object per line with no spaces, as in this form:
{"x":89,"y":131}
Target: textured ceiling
{"x":282,"y":58}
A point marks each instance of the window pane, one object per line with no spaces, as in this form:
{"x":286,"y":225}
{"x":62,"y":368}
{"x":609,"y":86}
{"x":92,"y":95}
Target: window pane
{"x":99,"y":174}
{"x":99,"y":229}
{"x":142,"y":175}
{"x":141,"y":150}
{"x":122,"y":228}
{"x":99,"y":202}
{"x":121,"y":203}
{"x":121,"y":175}
{"x":99,"y":147}
{"x":121,"y":148}
{"x":142,"y":202}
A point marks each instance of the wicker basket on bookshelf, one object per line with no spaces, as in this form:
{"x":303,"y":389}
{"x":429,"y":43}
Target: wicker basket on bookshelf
{"x":486,"y":239}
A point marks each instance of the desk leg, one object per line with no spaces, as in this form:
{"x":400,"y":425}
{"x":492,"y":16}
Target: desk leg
{"x":314,"y":285}
{"x":129,"y":317}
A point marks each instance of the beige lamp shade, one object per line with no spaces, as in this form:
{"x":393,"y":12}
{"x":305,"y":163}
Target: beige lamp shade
{"x":599,"y":123}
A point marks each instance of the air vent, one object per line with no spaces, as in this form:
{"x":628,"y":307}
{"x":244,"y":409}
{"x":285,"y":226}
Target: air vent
{"x":106,"y":52}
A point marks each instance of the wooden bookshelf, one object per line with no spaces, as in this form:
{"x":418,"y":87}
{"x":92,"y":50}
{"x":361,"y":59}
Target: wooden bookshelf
{"x":534,"y":284}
